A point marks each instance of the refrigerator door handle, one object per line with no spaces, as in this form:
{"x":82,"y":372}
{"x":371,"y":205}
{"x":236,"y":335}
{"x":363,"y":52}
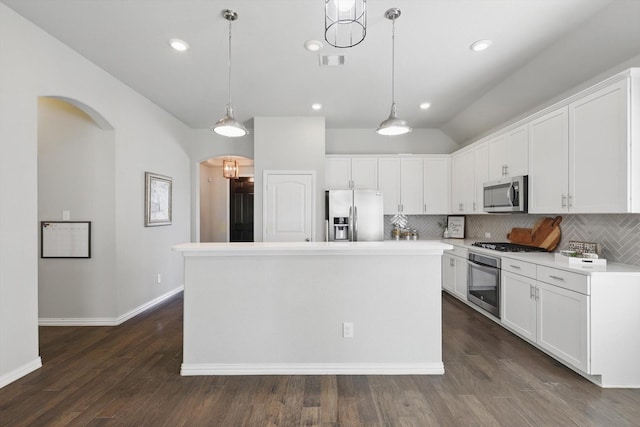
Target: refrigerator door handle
{"x":350,"y":223}
{"x":355,"y":223}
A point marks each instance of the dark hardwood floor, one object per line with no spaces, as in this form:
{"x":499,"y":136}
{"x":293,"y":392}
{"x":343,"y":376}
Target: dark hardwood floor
{"x":129,"y":375}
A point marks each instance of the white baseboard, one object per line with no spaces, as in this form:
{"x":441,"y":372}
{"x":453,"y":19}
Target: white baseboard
{"x":193,"y":369}
{"x":109,"y":321}
{"x":20,"y":372}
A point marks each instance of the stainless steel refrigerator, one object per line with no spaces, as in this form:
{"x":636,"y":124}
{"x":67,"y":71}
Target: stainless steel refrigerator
{"x":354,"y":215}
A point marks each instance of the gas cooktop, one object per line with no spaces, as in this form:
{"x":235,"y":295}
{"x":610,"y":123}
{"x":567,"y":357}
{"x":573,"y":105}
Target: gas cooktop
{"x":507,"y":247}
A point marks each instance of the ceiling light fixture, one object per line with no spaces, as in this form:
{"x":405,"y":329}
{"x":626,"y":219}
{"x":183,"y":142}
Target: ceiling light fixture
{"x":228,"y":125}
{"x":230,"y":169}
{"x":480,"y":45}
{"x":316,"y":106}
{"x":425,"y":105}
{"x":179,"y":45}
{"x":345,"y":22}
{"x":393,"y":125}
{"x":313,"y":45}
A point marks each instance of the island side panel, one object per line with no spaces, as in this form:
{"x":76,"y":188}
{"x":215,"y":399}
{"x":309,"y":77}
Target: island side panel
{"x":284,"y":314}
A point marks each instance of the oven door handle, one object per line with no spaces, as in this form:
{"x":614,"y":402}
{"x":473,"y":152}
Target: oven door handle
{"x":483,"y":266}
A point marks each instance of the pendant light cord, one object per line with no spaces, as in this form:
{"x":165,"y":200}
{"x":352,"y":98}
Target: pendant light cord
{"x":393,"y":60}
{"x":229,"y":63}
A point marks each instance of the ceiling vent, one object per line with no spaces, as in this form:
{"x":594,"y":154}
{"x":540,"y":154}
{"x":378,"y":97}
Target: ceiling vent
{"x":331,"y":60}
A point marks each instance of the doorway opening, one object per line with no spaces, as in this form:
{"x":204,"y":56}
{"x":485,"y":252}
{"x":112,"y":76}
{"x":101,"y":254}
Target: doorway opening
{"x":241,"y":209}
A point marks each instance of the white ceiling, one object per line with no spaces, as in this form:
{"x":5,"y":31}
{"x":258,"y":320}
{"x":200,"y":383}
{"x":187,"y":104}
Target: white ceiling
{"x":273,"y":75}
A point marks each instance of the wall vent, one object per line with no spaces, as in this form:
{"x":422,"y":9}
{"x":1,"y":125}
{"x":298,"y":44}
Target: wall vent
{"x":331,"y":60}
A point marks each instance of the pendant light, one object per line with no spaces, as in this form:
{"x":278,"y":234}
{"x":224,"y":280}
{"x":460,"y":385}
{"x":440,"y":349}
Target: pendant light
{"x":228,"y":125}
{"x":393,"y":125}
{"x":345,"y":22}
{"x":230,"y":169}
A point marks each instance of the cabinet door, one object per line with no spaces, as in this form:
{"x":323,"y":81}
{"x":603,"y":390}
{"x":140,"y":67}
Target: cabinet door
{"x":461,"y":278}
{"x":518,"y":304}
{"x":462,"y":181}
{"x":481,"y":171}
{"x":448,"y":272}
{"x":598,"y":151}
{"x":518,"y":151}
{"x":562,"y":326}
{"x":337,"y":173}
{"x":389,"y":183}
{"x":498,"y":155}
{"x":548,"y":162}
{"x":364,"y":173}
{"x":437,"y":186}
{"x":411,"y":186}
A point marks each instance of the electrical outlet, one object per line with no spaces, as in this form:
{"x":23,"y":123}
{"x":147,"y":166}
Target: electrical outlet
{"x":487,"y":235}
{"x":347,"y":330}
{"x":159,"y":278}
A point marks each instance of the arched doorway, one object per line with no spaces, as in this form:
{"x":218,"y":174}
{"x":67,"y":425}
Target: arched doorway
{"x":226,"y":205}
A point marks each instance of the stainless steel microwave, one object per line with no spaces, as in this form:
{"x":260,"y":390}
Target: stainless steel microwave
{"x":506,"y":195}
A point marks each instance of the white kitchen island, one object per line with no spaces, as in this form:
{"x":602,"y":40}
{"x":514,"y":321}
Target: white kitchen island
{"x":283,"y":308}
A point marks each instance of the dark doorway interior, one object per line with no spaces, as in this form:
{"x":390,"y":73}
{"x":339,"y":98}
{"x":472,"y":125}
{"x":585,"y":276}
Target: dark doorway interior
{"x":241,"y":209}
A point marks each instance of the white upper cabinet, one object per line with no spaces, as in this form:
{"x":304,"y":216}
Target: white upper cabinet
{"x":581,"y":158}
{"x":347,"y":172}
{"x":548,"y":162}
{"x":481,"y":172}
{"x":411,"y":186}
{"x":599,"y":144}
{"x":463,"y":181}
{"x":389,"y":183}
{"x":509,"y":153}
{"x":437,"y":187}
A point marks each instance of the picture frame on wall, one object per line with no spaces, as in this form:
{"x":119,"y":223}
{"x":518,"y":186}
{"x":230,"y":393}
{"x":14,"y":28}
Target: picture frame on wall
{"x":455,"y":226}
{"x":157,"y":199}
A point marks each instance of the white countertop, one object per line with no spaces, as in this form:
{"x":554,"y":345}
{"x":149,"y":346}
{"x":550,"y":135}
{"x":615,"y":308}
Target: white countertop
{"x":548,"y":259}
{"x":388,"y":247}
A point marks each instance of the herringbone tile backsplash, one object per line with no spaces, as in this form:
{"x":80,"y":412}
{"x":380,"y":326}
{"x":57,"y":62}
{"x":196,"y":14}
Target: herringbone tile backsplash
{"x":619,"y":235}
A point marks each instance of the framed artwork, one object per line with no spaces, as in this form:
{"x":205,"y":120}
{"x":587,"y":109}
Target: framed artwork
{"x":157,"y":199}
{"x":455,"y":225}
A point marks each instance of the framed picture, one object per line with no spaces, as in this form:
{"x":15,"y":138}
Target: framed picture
{"x":157,"y":199}
{"x":455,"y":225}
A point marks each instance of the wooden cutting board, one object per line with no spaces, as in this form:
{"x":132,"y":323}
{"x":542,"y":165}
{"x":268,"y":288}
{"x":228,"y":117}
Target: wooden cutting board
{"x":545,"y":233}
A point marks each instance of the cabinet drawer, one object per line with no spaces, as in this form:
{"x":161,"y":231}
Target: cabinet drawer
{"x":458,"y":251}
{"x":519,"y":267}
{"x":564,"y":279}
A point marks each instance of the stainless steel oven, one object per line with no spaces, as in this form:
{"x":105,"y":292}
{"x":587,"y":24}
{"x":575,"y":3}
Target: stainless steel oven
{"x":484,"y":282}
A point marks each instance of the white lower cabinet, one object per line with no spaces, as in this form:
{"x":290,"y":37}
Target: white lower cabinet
{"x":553,"y":317}
{"x":454,"y":272}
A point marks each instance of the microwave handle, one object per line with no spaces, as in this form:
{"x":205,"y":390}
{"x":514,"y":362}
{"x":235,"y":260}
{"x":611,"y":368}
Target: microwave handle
{"x":511,"y":193}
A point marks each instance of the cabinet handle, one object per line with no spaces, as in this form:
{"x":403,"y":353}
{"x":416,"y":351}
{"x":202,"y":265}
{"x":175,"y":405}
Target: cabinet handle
{"x":532,"y":292}
{"x":564,"y":201}
{"x":452,"y":262}
{"x":425,"y":207}
{"x":537,"y":293}
{"x":506,"y":170}
{"x":557,"y":278}
{"x":460,"y":207}
{"x":517,"y":267}
{"x":570,"y":200}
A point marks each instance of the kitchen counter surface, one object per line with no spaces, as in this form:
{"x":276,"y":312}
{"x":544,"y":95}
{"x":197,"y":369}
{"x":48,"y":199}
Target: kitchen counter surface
{"x":548,"y":259}
{"x":387,"y":247}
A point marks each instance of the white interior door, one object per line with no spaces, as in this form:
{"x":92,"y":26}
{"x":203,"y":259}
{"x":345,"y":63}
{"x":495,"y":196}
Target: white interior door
{"x":289,"y":207}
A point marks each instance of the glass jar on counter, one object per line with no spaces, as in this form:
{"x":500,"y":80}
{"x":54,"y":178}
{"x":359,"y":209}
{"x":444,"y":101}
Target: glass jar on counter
{"x":395,"y":233}
{"x":414,"y":234}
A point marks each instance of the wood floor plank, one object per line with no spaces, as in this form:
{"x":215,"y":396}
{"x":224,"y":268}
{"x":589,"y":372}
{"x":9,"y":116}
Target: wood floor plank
{"x":129,"y":376}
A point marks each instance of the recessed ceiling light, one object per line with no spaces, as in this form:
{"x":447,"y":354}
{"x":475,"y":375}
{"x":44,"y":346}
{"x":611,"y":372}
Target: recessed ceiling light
{"x":316,"y":106}
{"x":179,"y":45}
{"x":425,"y":105}
{"x":313,"y":45}
{"x":480,"y":45}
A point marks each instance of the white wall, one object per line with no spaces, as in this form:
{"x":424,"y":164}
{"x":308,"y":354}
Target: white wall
{"x":367,"y":141}
{"x":214,"y":204}
{"x":146,"y":138}
{"x":76,"y":173}
{"x":289,"y":143}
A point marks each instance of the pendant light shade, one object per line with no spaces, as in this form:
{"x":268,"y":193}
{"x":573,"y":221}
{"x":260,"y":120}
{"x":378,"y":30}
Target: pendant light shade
{"x":345,"y":22}
{"x":228,"y":125}
{"x":393,"y":125}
